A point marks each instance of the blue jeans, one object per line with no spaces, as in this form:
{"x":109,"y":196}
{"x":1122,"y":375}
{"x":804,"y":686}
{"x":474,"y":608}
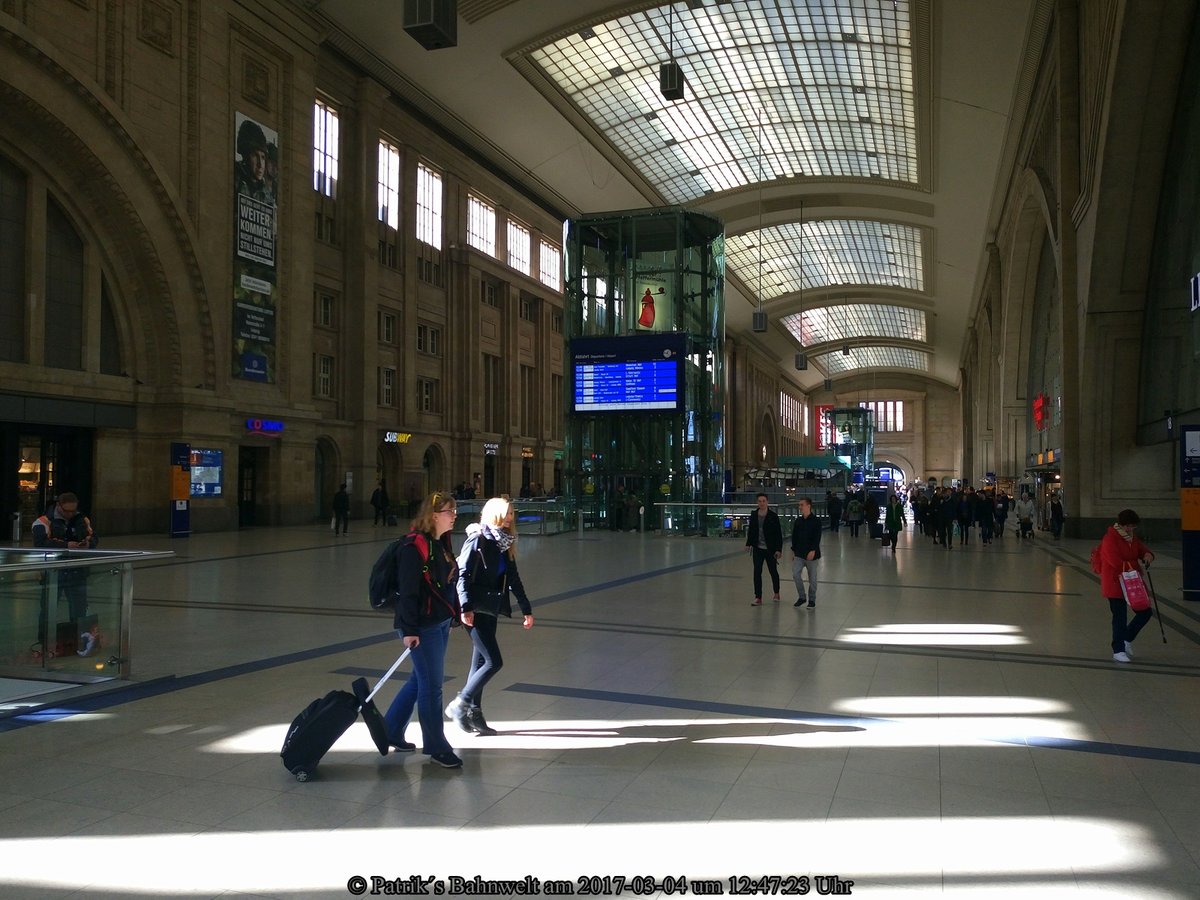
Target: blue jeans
{"x":424,"y":691}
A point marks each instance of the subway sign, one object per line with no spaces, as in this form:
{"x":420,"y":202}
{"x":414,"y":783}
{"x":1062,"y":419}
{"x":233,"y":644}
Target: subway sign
{"x":397,"y":437}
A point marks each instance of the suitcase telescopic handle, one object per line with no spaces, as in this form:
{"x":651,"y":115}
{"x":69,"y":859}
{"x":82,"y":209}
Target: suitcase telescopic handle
{"x":388,"y":674}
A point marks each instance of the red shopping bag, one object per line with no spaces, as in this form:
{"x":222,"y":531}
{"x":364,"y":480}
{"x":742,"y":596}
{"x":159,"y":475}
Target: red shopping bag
{"x":1134,"y":588}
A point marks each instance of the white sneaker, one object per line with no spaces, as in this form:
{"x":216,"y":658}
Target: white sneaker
{"x":1122,"y":657}
{"x":1129,"y":649}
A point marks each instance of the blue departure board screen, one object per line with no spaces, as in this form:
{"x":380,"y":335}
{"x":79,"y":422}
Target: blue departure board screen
{"x":636,"y":373}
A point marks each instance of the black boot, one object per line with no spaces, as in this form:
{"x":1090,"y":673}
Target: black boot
{"x":478,"y":724}
{"x":459,"y":713}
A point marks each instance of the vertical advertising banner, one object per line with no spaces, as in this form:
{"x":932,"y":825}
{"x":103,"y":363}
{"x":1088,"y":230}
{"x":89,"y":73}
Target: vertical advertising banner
{"x":256,"y":186}
{"x":823,"y":426}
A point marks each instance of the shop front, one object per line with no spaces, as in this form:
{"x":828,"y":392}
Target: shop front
{"x":47,"y":446}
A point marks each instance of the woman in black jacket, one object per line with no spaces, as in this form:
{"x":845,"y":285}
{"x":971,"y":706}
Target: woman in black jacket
{"x":426,"y":607}
{"x":487,"y":572}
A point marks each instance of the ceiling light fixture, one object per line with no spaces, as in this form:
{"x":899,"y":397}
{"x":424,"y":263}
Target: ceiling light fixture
{"x":671,"y":83}
{"x":432,"y":23}
{"x":759,"y":319}
{"x":800,"y":256}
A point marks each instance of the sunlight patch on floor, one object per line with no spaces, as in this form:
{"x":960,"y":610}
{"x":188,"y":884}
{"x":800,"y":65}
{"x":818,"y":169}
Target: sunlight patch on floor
{"x":908,"y":848}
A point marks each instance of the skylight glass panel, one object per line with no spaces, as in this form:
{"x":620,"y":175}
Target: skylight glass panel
{"x":826,"y":253}
{"x":777,"y":88}
{"x":873,"y":358}
{"x":855,"y":320}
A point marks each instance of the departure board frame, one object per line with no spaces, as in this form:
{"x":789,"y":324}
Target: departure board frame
{"x":636,"y":373}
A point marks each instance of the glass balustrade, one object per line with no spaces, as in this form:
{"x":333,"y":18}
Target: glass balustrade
{"x":66,"y":614}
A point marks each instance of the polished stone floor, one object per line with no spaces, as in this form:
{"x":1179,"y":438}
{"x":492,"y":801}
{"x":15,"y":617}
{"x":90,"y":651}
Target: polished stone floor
{"x":942,"y":722}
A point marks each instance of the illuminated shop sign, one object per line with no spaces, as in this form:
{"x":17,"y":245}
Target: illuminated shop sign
{"x":269,"y":427}
{"x":490,"y":449}
{"x":1039,"y":411}
{"x":396,"y":437}
{"x":1196,"y":292}
{"x":526,"y":453}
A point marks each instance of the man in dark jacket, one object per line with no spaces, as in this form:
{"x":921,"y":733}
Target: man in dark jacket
{"x":341,"y":510}
{"x":64,"y":527}
{"x":380,"y":503}
{"x":947,"y":516}
{"x":833,"y":505}
{"x":764,"y":541}
{"x":806,"y":550}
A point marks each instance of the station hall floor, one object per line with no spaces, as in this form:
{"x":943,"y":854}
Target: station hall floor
{"x":942,"y":722}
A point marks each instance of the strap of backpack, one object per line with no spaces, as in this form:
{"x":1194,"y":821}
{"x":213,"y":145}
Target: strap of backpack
{"x":435,"y":587}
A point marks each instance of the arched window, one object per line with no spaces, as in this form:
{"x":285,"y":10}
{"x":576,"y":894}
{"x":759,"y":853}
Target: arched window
{"x":64,"y":291}
{"x":12,"y":262}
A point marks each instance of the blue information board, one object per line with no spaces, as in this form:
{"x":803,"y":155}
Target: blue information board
{"x":637,"y":373}
{"x":626,"y":386}
{"x":207,"y":471}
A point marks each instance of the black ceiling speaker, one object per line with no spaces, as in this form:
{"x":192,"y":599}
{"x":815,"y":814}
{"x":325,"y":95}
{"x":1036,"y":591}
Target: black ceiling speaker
{"x":801,"y":362}
{"x":829,"y":384}
{"x":671,"y":82}
{"x":758,"y":321}
{"x":432,"y":23}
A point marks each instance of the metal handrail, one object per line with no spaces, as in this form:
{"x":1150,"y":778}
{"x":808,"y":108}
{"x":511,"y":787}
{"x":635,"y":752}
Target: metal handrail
{"x":73,"y":559}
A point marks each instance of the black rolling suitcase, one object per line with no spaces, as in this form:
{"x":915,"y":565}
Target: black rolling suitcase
{"x":325,"y":720}
{"x":315,"y":730}
{"x":370,"y":712}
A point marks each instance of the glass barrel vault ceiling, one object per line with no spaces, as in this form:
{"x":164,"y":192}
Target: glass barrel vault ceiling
{"x":873,"y":358}
{"x":827,"y":252}
{"x":775,"y":89}
{"x":854,"y":321}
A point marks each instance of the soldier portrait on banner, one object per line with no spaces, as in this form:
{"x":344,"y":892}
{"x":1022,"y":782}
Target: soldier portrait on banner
{"x":256,"y":186}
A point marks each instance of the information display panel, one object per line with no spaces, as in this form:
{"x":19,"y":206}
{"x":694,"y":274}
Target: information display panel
{"x":636,"y":373}
{"x":207,"y":469}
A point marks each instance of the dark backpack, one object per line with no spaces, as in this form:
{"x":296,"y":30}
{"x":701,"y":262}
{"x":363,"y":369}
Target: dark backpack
{"x":381,"y":584}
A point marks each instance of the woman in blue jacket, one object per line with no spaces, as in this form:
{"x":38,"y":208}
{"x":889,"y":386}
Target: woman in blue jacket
{"x":487,"y":573}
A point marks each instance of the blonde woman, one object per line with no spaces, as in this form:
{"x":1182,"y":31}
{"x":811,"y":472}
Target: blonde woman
{"x":487,"y":572}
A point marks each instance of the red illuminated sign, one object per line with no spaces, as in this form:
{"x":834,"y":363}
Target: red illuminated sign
{"x":1039,"y":411}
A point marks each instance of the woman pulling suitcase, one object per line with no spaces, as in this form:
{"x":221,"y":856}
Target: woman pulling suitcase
{"x":426,"y":606}
{"x":487,"y":572}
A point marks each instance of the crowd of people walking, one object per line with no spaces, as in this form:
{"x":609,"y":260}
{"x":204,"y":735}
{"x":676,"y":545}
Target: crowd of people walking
{"x":437,"y":589}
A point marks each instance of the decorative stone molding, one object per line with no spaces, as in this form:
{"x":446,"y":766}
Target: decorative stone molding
{"x":156,"y":26}
{"x":256,"y":81}
{"x":1097,"y":29}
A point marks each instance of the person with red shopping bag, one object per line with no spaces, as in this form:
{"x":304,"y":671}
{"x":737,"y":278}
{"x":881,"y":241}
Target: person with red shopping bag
{"x":1121,"y":582}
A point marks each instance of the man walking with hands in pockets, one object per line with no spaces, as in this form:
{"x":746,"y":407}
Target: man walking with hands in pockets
{"x":764,"y":540}
{"x":806,"y":550}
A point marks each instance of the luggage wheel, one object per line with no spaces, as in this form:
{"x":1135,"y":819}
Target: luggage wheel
{"x":302,"y":775}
